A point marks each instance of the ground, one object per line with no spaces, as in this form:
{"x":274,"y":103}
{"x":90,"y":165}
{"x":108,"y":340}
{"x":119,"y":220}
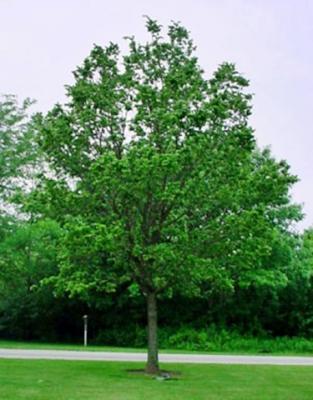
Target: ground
{"x":77,"y":380}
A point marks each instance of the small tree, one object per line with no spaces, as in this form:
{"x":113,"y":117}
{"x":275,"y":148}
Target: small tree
{"x":166,"y":190}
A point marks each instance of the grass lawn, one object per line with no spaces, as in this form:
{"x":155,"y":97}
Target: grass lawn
{"x":77,"y":380}
{"x":11,"y":344}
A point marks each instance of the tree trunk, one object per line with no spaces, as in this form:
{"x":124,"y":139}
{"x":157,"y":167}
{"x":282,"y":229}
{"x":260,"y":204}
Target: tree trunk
{"x":152,"y":366}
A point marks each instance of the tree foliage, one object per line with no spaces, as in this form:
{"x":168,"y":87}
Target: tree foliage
{"x":17,"y":145}
{"x":28,"y":254}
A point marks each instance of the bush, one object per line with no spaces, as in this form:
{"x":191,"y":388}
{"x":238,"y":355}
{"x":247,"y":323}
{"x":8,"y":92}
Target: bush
{"x":210,"y":339}
{"x":214,"y":340}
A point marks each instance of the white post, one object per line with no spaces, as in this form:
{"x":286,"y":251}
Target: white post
{"x":85,"y":318}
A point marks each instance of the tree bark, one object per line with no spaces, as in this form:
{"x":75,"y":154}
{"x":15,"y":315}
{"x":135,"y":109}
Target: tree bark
{"x":152,"y":366}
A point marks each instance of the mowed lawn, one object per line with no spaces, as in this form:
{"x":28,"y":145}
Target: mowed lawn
{"x":73,"y":380}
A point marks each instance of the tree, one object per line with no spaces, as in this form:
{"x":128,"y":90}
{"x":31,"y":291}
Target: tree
{"x":295,"y":315}
{"x":17,"y":150}
{"x":163,"y":186}
{"x":28,"y":254}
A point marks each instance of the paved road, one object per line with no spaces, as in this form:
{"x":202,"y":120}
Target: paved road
{"x":164,"y":358}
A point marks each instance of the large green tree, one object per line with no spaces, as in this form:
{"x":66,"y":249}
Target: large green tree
{"x":162,"y":186}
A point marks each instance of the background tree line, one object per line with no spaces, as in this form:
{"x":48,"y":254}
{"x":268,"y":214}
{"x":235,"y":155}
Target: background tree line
{"x":31,"y":311}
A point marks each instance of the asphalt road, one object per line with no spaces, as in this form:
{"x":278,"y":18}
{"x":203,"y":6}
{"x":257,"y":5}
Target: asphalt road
{"x":164,"y":358}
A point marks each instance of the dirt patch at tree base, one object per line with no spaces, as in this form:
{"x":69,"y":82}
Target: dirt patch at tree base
{"x":163,"y":375}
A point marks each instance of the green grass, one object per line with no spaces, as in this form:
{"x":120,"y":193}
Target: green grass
{"x":78,"y":380}
{"x":10,"y":344}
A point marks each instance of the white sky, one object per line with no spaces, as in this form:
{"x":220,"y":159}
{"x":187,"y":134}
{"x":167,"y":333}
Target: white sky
{"x":271,"y":42}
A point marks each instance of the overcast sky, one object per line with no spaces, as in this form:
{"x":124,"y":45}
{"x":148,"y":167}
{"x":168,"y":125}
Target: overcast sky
{"x":270,"y":41}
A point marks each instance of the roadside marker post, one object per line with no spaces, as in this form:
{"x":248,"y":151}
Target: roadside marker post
{"x":85,"y":318}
